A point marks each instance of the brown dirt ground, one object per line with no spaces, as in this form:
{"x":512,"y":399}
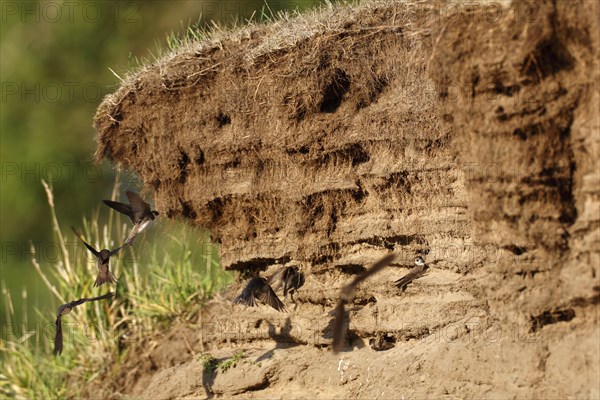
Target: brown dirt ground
{"x":467,"y":132}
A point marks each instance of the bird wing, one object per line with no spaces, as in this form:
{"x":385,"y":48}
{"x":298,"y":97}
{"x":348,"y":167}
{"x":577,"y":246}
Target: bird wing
{"x":86,"y":299}
{"x":245,"y":300}
{"x":268,"y":296}
{"x":120,"y":207}
{"x":76,"y":302}
{"x":339,"y":326}
{"x":276,"y":279}
{"x":378,"y":266}
{"x":247,"y":296}
{"x":90,"y":248}
{"x":104,"y":296}
{"x":115,"y":251}
{"x":138,"y":205}
{"x":58,"y":338}
{"x":413,"y":274}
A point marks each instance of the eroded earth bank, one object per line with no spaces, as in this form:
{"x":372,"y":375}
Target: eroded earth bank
{"x":468,"y":133}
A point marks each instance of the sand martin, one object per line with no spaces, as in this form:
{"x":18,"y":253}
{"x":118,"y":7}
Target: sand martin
{"x":138,"y":211}
{"x":65,"y":309}
{"x":103,"y":256}
{"x":290,"y":278}
{"x":416,"y":272}
{"x":259,"y":288}
{"x":382,"y":342}
{"x":340,"y":325}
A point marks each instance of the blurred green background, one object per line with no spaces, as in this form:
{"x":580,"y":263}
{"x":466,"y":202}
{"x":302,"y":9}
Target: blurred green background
{"x":54,"y":67}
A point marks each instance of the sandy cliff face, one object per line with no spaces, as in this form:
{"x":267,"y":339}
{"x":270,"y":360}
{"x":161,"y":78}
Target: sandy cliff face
{"x":520,"y":93}
{"x":466,"y":133}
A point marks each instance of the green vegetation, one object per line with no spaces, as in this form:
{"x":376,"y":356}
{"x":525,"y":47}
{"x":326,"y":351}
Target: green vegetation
{"x":231,"y":362}
{"x":153,"y":286}
{"x":77,"y":54}
{"x":211,"y":364}
{"x":49,"y":96}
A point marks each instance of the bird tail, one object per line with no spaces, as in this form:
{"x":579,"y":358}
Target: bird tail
{"x":136,"y":230}
{"x":132,"y":234}
{"x":104,"y":277}
{"x":403,"y":282}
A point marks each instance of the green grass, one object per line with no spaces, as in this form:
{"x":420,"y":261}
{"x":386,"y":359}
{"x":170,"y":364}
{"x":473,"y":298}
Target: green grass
{"x":167,"y":275}
{"x":202,"y":31}
{"x":211,"y":364}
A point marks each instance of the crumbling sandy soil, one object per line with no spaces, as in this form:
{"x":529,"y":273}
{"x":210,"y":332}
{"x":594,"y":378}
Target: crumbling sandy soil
{"x":468,"y":133}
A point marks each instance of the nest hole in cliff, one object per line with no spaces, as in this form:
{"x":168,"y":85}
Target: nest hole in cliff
{"x":353,"y":154}
{"x":333,"y":92}
{"x":182,"y":163}
{"x":250,"y":268}
{"x":515,"y":249}
{"x":549,"y":57}
{"x":187,"y":210}
{"x":352,"y":269}
{"x":537,"y":322}
{"x":223,"y":119}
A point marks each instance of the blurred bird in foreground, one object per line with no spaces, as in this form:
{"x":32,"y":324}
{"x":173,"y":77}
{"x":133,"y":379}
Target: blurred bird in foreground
{"x":341,"y":322}
{"x":259,"y":288}
{"x":138,"y":211}
{"x":416,"y":272}
{"x":290,"y":278}
{"x":103,"y":256}
{"x":65,"y":309}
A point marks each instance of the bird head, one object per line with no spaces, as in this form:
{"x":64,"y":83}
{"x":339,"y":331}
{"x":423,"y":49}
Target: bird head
{"x":104,"y":255}
{"x":419,"y":261}
{"x":155,"y":214}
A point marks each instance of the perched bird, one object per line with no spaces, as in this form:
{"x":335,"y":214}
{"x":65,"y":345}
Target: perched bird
{"x":290,"y":278}
{"x":259,"y":288}
{"x":416,"y":272}
{"x":103,"y":256}
{"x":65,"y":309}
{"x":340,"y":325}
{"x":138,"y":211}
{"x":381,"y":342}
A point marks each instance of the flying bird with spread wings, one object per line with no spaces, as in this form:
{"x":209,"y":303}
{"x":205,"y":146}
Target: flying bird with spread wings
{"x":103,"y":256}
{"x":347,"y":294}
{"x":65,"y":309}
{"x":138,"y":211}
{"x":258,"y":288}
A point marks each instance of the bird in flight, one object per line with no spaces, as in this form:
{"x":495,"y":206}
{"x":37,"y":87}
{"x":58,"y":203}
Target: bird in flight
{"x":341,"y":321}
{"x":416,"y":272}
{"x":103,"y":256}
{"x":65,"y":309}
{"x":138,"y":211}
{"x":259,"y":288}
{"x":290,"y":278}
